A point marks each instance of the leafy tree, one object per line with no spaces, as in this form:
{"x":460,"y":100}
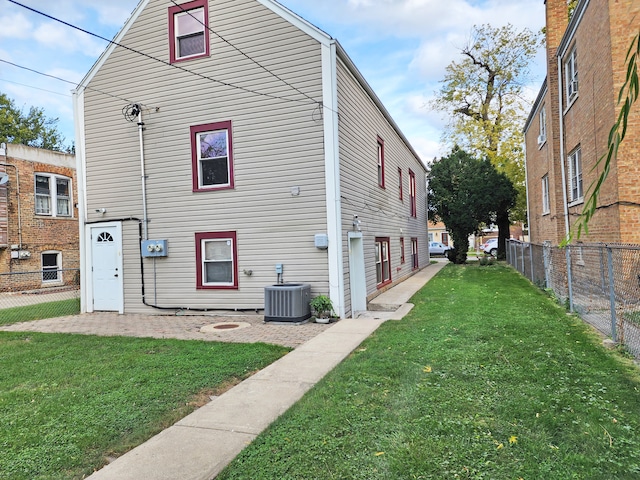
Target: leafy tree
{"x":483,"y":96}
{"x":33,"y":128}
{"x":465,"y":192}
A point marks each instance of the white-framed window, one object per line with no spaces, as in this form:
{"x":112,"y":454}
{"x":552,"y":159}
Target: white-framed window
{"x":383,"y":261}
{"x":571,"y":75}
{"x":543,"y":125}
{"x":576,"y":192}
{"x":430,"y":237}
{"x":212,"y":156}
{"x":415,"y":261}
{"x":413,"y":194}
{"x":53,"y":195}
{"x":217,"y":260}
{"x":546,"y":208}
{"x":188,"y":31}
{"x":380,"y":162}
{"x":51,"y":267}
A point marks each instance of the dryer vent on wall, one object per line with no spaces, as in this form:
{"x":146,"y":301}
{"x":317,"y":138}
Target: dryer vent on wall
{"x":287,"y":302}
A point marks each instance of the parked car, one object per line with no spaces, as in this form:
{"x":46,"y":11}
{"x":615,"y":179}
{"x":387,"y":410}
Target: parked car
{"x":490,"y":246}
{"x":436,"y":248}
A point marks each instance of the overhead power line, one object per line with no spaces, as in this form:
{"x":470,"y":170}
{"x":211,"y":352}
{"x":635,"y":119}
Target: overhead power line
{"x":63,"y":80}
{"x":151,"y":57}
{"x":188,"y":12}
{"x":35,"y":88}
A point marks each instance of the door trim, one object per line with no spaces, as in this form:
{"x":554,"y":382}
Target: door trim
{"x":89,"y":263}
{"x":357,"y":274}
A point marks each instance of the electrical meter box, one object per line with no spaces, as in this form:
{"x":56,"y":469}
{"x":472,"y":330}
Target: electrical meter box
{"x":322,"y":241}
{"x":154,"y":248}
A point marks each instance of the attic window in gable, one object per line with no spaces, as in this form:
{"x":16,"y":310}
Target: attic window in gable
{"x":188,"y":31}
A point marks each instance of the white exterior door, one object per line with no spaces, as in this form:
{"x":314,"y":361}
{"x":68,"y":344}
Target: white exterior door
{"x":357,"y":278}
{"x":106,"y":267}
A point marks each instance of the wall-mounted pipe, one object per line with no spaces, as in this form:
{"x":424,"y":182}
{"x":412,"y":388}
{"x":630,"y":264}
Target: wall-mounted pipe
{"x":18,"y":195}
{"x":145,"y":220}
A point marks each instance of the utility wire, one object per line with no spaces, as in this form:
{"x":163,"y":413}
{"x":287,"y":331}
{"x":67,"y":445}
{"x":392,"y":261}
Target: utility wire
{"x":63,"y":80}
{"x":35,"y":88}
{"x":188,"y":12}
{"x":178,"y":67}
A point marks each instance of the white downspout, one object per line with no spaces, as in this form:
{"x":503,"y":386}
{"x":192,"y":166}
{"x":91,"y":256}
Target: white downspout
{"x":144,"y":176}
{"x":78,"y":120}
{"x":332,"y":177}
{"x":564,"y":175}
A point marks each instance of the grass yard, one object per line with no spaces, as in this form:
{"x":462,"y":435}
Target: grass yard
{"x":39,"y":311}
{"x":69,"y":401}
{"x":487,"y":378}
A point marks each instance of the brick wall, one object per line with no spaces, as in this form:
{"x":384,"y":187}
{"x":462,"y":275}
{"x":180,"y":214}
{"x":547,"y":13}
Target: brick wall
{"x":39,"y":233}
{"x":601,"y":40}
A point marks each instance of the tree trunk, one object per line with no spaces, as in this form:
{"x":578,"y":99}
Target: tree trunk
{"x":502,"y":219}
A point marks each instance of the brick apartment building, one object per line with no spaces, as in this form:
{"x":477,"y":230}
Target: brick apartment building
{"x":568,"y":127}
{"x":38,"y":219}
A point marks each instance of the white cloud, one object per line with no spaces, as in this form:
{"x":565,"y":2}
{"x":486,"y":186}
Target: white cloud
{"x":15,"y":25}
{"x":59,"y":37}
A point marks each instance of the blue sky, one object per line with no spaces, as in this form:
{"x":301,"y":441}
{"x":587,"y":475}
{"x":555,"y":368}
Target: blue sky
{"x":401,"y":47}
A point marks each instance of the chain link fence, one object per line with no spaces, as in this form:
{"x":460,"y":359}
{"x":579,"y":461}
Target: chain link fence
{"x":600,"y":282}
{"x":41,"y":294}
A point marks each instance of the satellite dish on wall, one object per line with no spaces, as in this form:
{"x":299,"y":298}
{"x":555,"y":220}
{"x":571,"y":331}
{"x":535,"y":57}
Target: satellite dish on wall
{"x":4,"y":178}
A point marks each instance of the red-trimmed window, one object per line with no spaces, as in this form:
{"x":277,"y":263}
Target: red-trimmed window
{"x":383,"y":261}
{"x":189,"y":31}
{"x":415,"y":263}
{"x":212,"y":156}
{"x":380,"y":162}
{"x":400,"y":184}
{"x":216,"y":260}
{"x":401,"y":250}
{"x":412,"y":194}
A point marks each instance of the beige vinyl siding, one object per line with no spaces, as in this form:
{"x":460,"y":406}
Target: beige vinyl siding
{"x":381,"y":212}
{"x":277,"y":144}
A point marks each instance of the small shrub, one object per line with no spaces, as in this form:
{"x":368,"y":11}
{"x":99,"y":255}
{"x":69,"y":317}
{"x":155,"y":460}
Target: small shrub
{"x":322,"y":306}
{"x":485,"y":261}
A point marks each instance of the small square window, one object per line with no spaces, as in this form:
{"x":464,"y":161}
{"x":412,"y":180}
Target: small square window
{"x":217,"y":260}
{"x":51,"y":267}
{"x":188,"y":31}
{"x":212,"y":156}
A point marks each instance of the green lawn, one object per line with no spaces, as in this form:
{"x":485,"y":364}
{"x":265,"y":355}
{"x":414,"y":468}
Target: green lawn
{"x":40,"y":311}
{"x":68,"y":401}
{"x":487,"y":378}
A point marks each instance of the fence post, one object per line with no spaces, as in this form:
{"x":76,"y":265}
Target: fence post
{"x":522,"y":255}
{"x":531,"y":261}
{"x":569,"y":279}
{"x":612,"y":295}
{"x":546,"y":251}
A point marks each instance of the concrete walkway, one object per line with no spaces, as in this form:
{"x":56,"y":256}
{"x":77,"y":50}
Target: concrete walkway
{"x":200,"y":445}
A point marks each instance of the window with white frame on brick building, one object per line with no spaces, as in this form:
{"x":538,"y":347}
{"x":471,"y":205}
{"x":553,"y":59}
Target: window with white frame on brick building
{"x":542,"y":137}
{"x":576,"y":192}
{"x":53,"y":195}
{"x":571,"y":75}
{"x":545,"y":195}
